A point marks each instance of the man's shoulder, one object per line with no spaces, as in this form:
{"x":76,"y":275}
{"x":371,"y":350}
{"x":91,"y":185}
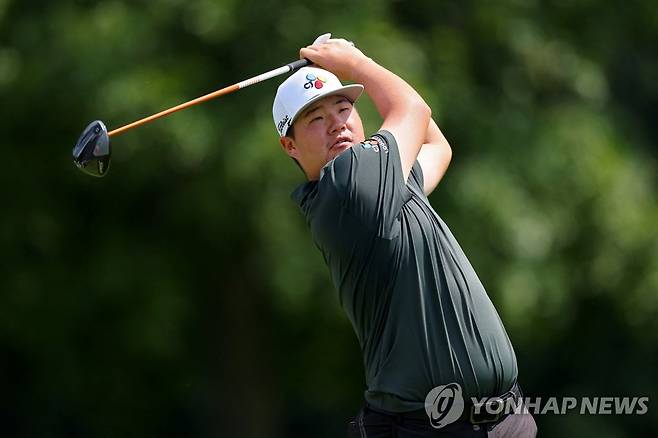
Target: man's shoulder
{"x":380,"y":141}
{"x":304,"y":192}
{"x":344,"y":164}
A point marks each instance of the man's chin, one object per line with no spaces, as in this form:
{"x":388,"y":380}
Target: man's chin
{"x":338,"y":148}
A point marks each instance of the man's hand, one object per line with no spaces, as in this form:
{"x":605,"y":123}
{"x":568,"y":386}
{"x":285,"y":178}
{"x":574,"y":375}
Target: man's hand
{"x":339,"y":56}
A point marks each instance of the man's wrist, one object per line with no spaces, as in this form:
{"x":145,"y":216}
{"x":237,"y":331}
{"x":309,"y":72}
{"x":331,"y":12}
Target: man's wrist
{"x":359,"y":68}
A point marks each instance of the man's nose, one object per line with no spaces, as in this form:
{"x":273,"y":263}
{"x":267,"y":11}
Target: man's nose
{"x":336,"y":123}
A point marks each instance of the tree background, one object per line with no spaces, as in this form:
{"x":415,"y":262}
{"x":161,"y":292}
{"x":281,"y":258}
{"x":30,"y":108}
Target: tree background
{"x":182,"y":295}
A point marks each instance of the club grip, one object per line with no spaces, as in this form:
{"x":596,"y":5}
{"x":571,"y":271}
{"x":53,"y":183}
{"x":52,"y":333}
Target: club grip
{"x":298,"y":64}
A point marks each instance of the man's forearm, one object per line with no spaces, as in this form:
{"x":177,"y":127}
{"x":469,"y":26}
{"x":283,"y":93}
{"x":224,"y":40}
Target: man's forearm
{"x":433,"y":134}
{"x":405,"y":113}
{"x":389,"y":92}
{"x":434,"y":157}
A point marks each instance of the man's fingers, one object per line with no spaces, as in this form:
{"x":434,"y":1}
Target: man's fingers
{"x":308,"y":52}
{"x":340,"y":41}
{"x":317,"y":48}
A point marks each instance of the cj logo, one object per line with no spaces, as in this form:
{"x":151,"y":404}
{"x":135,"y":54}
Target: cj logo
{"x":444,"y":405}
{"x":314,"y":81}
{"x":375,"y":143}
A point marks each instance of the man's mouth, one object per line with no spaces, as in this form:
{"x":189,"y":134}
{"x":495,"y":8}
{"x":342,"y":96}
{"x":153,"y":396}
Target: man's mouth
{"x":342,"y":141}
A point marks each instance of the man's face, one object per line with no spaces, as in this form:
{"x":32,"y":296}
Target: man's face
{"x":324,"y":130}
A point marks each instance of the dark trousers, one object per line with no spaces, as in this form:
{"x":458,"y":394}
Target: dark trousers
{"x":372,"y":424}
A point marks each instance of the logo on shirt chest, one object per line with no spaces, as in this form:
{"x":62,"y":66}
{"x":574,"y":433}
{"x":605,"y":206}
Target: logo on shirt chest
{"x":375,"y":143}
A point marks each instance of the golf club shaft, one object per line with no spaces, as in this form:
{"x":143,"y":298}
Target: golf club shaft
{"x":231,"y":88}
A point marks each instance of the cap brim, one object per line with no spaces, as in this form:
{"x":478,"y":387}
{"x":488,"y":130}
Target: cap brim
{"x":352,"y":92}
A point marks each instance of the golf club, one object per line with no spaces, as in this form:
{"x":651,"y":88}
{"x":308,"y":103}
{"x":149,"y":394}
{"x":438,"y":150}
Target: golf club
{"x":92,"y":151}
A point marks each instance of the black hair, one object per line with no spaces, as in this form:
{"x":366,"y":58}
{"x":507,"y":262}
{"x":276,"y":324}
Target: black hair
{"x":291,"y":133}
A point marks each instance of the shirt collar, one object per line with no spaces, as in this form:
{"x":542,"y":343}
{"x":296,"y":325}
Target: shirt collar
{"x":302,"y":191}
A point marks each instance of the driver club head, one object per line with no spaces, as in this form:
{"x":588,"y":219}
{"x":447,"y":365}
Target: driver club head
{"x":92,"y":151}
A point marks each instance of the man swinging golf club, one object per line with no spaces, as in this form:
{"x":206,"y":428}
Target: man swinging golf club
{"x":431,"y":338}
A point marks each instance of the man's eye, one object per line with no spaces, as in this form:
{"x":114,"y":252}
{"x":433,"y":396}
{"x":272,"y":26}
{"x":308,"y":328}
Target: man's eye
{"x":316,"y":118}
{"x":345,"y":109}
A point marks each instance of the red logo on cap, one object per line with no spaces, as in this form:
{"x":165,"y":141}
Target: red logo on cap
{"x":314,"y":81}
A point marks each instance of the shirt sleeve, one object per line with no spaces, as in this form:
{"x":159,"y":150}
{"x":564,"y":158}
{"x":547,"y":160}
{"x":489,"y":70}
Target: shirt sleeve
{"x":368,"y":177}
{"x":416,"y":180}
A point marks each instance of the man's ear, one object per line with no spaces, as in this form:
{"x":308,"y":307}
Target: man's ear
{"x":289,"y":147}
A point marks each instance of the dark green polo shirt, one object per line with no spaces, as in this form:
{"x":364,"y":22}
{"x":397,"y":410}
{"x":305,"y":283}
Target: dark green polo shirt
{"x":420,"y":312}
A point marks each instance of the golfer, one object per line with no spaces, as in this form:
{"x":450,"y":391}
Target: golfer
{"x":430,"y":336}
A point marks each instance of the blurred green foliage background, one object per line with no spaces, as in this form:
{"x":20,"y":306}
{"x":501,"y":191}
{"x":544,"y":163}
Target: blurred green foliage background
{"x":182,"y":295}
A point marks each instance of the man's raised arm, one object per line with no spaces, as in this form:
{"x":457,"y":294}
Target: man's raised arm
{"x":434,"y":157}
{"x":405,"y":113}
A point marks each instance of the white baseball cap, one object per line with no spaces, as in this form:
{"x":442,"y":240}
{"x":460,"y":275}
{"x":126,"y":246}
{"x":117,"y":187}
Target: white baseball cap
{"x":301,"y":89}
